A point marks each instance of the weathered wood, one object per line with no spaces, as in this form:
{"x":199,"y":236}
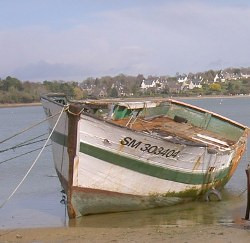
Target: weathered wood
{"x":248,"y":193}
{"x":72,"y":144}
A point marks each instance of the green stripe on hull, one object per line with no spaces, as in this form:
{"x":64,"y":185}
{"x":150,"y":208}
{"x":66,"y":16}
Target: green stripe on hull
{"x":148,"y":169}
{"x":59,"y":138}
{"x":141,"y":166}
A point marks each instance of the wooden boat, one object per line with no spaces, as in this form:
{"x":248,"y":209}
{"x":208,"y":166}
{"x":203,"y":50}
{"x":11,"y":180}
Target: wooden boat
{"x":121,"y":155}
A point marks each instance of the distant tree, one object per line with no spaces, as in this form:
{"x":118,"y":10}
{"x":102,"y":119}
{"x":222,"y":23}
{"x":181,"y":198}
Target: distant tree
{"x":230,"y":87}
{"x":237,"y":71}
{"x":172,"y":79}
{"x":11,"y":82}
{"x":165,"y":90}
{"x":121,"y":78}
{"x":59,"y":87}
{"x":78,"y":93}
{"x":237,"y":87}
{"x":89,"y":81}
{"x":114,"y":93}
{"x":245,"y":81}
{"x":210,"y":75}
{"x":97,"y":81}
{"x":139,"y":78}
{"x":215,"y":87}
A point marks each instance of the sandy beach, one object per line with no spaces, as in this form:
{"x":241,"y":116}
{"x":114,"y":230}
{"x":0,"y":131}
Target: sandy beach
{"x":163,"y":233}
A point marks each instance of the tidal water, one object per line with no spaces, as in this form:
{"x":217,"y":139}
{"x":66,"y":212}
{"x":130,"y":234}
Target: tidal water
{"x":37,"y":202}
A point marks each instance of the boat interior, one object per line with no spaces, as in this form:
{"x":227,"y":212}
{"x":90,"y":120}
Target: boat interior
{"x":172,"y":120}
{"x":180,"y":132}
{"x":166,"y":118}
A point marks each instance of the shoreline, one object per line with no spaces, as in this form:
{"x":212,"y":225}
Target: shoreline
{"x":20,"y":105}
{"x":214,"y":97}
{"x":171,"y":97}
{"x":154,"y":233}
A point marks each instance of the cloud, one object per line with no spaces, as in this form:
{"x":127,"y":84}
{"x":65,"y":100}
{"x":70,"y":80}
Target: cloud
{"x":43,"y":71}
{"x":153,"y":39}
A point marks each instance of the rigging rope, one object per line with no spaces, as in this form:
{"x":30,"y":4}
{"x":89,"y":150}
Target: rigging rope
{"x":20,"y":155}
{"x":31,"y":139}
{"x":21,"y":145}
{"x":10,"y":196}
{"x":28,"y":128}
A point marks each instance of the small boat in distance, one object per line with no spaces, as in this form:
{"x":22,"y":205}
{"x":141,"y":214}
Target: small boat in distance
{"x":119,"y":154}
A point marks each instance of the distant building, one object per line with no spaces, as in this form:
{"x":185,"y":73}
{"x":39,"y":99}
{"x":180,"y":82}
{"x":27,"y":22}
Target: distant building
{"x":192,"y":83}
{"x":99,"y":93}
{"x":245,"y":75}
{"x":219,"y":77}
{"x":158,"y":83}
{"x":231,"y":76}
{"x":148,"y":83}
{"x":182,"y":78}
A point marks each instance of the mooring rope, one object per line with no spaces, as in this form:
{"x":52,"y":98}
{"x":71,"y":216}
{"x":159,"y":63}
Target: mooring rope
{"x":20,"y":155}
{"x":21,"y":145}
{"x":10,"y":196}
{"x":31,"y":139}
{"x":74,"y":114}
{"x":28,"y":128}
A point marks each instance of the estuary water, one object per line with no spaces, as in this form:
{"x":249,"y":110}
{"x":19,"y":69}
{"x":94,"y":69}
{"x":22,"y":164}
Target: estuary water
{"x":37,"y":202}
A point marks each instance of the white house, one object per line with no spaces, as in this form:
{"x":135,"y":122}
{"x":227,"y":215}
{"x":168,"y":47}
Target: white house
{"x":195,"y":83}
{"x":148,"y":83}
{"x":182,"y":78}
{"x":219,"y":77}
{"x":245,"y":75}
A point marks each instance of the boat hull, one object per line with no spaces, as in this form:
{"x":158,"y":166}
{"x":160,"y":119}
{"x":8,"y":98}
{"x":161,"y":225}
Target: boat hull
{"x":111,"y":168}
{"x":92,"y":201}
{"x":112,"y":180}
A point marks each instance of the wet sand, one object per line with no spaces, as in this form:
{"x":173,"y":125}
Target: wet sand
{"x":163,"y":233}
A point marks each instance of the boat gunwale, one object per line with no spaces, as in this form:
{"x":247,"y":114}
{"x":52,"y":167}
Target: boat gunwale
{"x":210,"y":112}
{"x":110,"y":101}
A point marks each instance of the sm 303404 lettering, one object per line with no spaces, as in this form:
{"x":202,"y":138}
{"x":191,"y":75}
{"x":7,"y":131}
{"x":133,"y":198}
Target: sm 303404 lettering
{"x":149,"y":148}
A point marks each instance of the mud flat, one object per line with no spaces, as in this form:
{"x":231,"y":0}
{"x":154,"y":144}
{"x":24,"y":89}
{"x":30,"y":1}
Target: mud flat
{"x":163,"y":233}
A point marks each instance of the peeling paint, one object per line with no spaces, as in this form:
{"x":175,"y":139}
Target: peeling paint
{"x":198,"y":163}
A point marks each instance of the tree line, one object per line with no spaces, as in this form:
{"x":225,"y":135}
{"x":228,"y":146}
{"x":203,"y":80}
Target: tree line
{"x":12,"y":90}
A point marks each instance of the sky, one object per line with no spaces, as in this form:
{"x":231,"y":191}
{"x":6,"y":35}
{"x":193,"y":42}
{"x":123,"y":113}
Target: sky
{"x":75,"y":39}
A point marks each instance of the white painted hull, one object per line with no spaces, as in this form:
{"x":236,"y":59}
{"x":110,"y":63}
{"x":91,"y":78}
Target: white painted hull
{"x":117,"y":169}
{"x":91,"y":172}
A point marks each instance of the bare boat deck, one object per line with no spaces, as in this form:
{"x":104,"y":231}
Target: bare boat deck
{"x":165,"y":126}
